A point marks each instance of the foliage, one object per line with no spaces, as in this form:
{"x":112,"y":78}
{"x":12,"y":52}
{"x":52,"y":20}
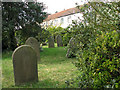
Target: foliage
{"x":100,"y":64}
{"x":66,"y":36}
{"x":69,"y":32}
{"x":98,"y":47}
{"x":42,"y":35}
{"x":20,"y":20}
{"x":32,"y":31}
{"x":54,"y":30}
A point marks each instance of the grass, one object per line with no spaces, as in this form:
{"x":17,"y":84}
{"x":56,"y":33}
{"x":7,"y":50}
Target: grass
{"x":46,"y":46}
{"x":53,"y":70}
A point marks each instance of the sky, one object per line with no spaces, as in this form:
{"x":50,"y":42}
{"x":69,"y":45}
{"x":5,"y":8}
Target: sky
{"x":60,"y":5}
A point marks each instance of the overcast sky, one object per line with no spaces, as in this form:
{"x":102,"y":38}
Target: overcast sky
{"x":59,"y":5}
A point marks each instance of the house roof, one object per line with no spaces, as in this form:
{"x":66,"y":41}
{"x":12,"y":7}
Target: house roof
{"x":62,"y":13}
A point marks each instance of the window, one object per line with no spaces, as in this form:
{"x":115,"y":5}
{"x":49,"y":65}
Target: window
{"x":68,"y":19}
{"x":51,"y":23}
{"x":62,"y":20}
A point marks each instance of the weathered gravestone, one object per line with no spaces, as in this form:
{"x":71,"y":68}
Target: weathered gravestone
{"x":34,"y":43}
{"x":72,"y":47}
{"x":41,"y":49}
{"x":51,"y":42}
{"x":25,"y":65}
{"x":59,"y":41}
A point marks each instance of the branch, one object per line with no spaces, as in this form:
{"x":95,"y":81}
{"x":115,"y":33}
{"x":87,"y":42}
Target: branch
{"x":104,"y":16}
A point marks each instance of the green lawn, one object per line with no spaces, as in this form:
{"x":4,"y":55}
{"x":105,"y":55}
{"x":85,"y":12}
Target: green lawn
{"x":53,"y":70}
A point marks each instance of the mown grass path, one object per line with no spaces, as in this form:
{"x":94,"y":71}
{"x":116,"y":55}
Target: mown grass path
{"x":53,"y":70}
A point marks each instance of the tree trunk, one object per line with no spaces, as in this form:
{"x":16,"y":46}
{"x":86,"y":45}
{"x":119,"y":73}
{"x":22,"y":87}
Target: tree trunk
{"x":118,"y":15}
{"x":13,"y":42}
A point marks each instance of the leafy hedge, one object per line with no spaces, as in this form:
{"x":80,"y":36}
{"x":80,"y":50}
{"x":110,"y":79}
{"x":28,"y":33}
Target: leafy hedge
{"x":98,"y":54}
{"x":99,"y":65}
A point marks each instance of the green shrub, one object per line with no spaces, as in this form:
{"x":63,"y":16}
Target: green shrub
{"x":66,"y":34}
{"x":106,"y":60}
{"x":54,"y":31}
{"x":99,"y":64}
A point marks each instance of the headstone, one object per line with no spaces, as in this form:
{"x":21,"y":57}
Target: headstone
{"x":59,"y":41}
{"x":41,"y":49}
{"x":51,"y":42}
{"x":34,"y":43}
{"x":25,"y":65}
{"x":72,"y":47}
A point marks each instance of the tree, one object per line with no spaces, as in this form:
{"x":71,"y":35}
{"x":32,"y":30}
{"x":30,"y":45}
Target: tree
{"x":54,"y":30}
{"x":20,"y":18}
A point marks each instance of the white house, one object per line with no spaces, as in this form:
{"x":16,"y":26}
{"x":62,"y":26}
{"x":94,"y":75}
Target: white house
{"x":63,"y":18}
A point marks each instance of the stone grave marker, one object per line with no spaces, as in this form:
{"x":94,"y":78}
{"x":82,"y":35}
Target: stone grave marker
{"x":24,"y":65}
{"x":35,"y":44}
{"x":41,"y":49}
{"x":72,"y":47}
{"x":59,"y":41}
{"x":51,"y":42}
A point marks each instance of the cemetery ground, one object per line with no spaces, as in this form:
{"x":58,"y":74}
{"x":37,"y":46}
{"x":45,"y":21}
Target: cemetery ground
{"x":53,"y":70}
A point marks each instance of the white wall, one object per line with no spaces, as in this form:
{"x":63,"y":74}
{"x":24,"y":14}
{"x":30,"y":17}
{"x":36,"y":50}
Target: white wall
{"x":63,"y":21}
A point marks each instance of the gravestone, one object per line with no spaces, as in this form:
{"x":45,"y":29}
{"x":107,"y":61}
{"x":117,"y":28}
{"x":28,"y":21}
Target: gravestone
{"x":24,"y":65}
{"x":59,"y":41}
{"x":41,"y":49}
{"x":72,"y":47}
{"x":51,"y":42}
{"x":34,"y":43}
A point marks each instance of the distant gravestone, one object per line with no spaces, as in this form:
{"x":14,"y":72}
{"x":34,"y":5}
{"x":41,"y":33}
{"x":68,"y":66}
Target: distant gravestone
{"x":25,"y":65}
{"x":72,"y":47}
{"x":41,"y":49}
{"x":51,"y":42}
{"x":59,"y":41}
{"x":34,"y":43}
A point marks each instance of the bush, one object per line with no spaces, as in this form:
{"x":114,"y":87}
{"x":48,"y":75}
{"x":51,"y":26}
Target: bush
{"x":99,"y":65}
{"x":82,"y":34}
{"x":98,"y":51}
{"x":54,"y":30}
